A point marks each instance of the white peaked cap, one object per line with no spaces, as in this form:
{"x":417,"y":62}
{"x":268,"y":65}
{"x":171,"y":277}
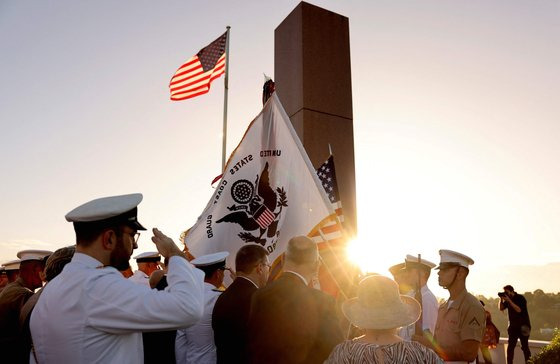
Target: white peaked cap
{"x":32,"y":254}
{"x":450,"y":257}
{"x":121,"y":208}
{"x":12,"y":264}
{"x":210,"y":259}
{"x":147,"y":255}
{"x":414,"y":259}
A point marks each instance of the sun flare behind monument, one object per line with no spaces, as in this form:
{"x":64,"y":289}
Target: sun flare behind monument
{"x":366,"y":256}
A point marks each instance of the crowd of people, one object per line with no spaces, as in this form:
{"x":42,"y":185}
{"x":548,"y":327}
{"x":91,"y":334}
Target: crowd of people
{"x":91,"y":308}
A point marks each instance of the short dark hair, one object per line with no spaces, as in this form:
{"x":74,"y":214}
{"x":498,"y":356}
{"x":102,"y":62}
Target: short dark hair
{"x":249,"y":256}
{"x":508,"y":287}
{"x":302,"y":250}
{"x":87,"y":232}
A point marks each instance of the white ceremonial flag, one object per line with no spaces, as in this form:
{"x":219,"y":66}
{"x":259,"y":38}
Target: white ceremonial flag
{"x":269,"y":192}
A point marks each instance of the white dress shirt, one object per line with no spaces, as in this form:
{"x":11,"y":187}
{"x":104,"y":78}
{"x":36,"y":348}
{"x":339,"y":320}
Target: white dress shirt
{"x":430,"y":307}
{"x":91,"y":314}
{"x":140,"y":277}
{"x":195,"y":345}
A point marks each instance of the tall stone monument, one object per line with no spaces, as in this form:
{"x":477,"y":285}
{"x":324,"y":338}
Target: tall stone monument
{"x":312,"y":75}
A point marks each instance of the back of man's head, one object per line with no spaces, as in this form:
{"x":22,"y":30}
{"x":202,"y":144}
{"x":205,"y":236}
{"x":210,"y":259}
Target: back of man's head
{"x":57,"y":260}
{"x":302,"y":251}
{"x":248,"y":257}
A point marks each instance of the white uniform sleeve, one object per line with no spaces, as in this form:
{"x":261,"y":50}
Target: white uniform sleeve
{"x":118,"y":305}
{"x":430,"y":309}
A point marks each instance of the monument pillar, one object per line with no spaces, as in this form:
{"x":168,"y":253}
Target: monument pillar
{"x":313,"y":82}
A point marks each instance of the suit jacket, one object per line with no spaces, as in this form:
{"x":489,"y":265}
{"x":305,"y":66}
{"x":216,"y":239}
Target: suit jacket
{"x":230,"y":320}
{"x":292,"y":323}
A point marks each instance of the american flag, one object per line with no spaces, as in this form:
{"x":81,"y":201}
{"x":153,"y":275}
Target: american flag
{"x":331,"y":228}
{"x":194,"y":77}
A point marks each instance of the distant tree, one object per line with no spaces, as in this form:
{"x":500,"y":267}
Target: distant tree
{"x":550,"y":353}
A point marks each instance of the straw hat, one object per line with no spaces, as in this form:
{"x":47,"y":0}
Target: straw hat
{"x":380,"y":306}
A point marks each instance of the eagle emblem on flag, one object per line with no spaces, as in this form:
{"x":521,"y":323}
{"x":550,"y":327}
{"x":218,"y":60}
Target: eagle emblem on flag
{"x":257,"y":209}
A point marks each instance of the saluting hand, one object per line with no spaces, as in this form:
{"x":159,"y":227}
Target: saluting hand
{"x":165,"y":245}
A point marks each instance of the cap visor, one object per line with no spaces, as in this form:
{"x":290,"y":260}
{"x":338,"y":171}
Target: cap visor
{"x":136,"y":225}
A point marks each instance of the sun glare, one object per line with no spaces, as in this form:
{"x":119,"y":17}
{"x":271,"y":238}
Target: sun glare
{"x":366,"y":256}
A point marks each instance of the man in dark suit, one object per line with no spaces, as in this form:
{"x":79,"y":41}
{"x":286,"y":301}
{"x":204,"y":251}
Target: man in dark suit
{"x":231,"y":312}
{"x":289,"y":321}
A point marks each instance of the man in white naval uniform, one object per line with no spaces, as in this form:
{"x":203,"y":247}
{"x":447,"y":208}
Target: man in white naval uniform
{"x":89,"y":313}
{"x":418,"y":274}
{"x":195,"y":345}
{"x":147,"y":262}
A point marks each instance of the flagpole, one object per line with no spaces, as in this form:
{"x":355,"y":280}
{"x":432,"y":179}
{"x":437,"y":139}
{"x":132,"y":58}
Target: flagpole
{"x":224,"y":131}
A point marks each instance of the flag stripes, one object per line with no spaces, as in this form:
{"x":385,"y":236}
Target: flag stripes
{"x":194,"y":77}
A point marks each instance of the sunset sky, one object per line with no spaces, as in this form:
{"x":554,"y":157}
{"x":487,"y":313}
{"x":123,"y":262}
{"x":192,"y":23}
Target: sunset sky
{"x":456,"y":120}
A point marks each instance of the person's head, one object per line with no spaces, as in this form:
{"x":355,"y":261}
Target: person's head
{"x":379,"y":306}
{"x":302,"y":256}
{"x":3,"y":278}
{"x":148,"y":262}
{"x":508,"y":289}
{"x":252,"y":261}
{"x":11,"y":270}
{"x":106,"y":228}
{"x":453,"y":269}
{"x":213,"y":265}
{"x":419,"y":270}
{"x":57,"y":260}
{"x":401,"y":276}
{"x":30,"y":272}
{"x":12,"y":275}
{"x":32,"y":266}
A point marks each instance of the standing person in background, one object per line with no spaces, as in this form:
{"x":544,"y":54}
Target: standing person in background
{"x":12,"y":270}
{"x":89,"y":313}
{"x":461,"y":319}
{"x":491,"y":337}
{"x":230,"y":318}
{"x":418,"y":275}
{"x":12,"y":299}
{"x":195,"y":345}
{"x":380,"y":310}
{"x":291,"y":322}
{"x":519,"y":323}
{"x":53,"y":267}
{"x":147,"y":262}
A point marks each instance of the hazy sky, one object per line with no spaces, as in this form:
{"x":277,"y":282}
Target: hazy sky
{"x":456,"y":120}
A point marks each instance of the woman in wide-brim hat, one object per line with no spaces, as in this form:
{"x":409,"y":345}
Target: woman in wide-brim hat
{"x":380,"y":310}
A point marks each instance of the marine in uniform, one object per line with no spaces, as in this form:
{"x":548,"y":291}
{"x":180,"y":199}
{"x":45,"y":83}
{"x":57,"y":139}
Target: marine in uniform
{"x":89,"y":313}
{"x":12,"y":270}
{"x":12,"y":299}
{"x":147,"y":262}
{"x":461,"y":319}
{"x":195,"y":345}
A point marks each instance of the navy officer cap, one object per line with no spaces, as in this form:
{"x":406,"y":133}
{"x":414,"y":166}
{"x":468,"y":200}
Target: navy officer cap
{"x":108,"y":211}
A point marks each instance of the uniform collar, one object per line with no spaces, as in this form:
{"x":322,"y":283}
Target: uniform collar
{"x":457,"y":301}
{"x":86,"y":260}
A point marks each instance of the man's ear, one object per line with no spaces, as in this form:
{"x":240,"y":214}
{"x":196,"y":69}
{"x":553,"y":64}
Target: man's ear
{"x":109,"y":240}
